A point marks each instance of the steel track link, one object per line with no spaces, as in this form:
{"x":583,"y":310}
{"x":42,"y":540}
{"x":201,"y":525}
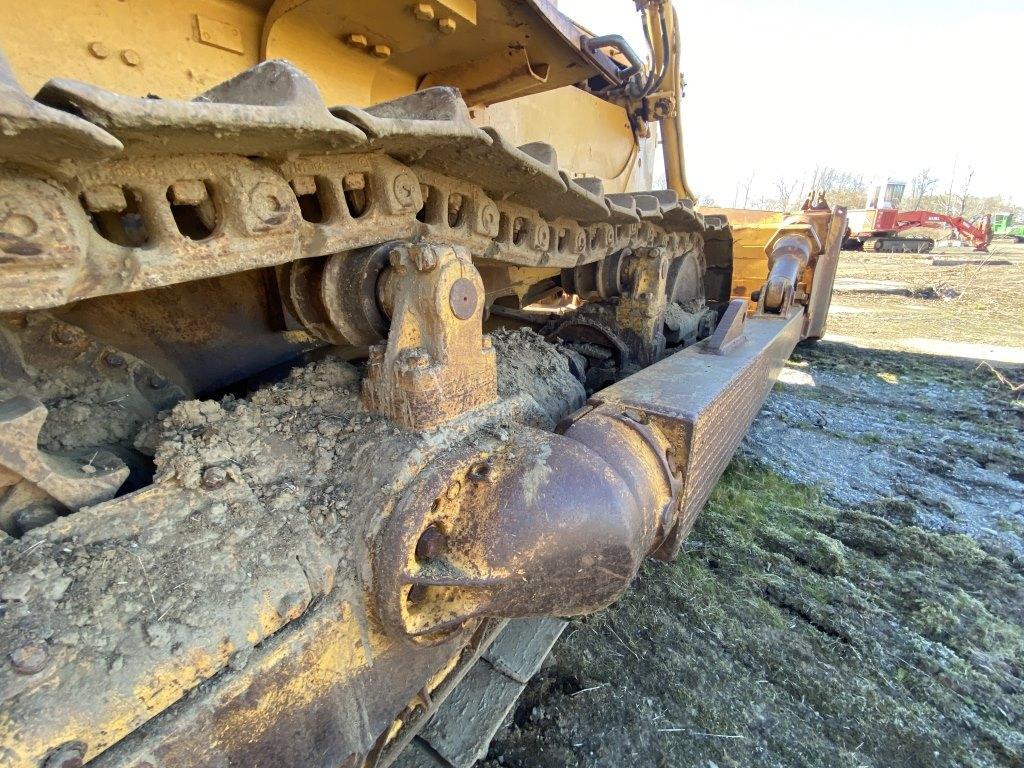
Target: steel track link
{"x":250,"y":176}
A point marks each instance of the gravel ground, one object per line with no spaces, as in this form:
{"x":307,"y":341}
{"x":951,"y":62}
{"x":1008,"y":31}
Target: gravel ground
{"x":934,"y":438}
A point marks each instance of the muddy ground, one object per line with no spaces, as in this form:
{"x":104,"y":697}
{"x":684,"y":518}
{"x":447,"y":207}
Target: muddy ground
{"x":854,"y":593}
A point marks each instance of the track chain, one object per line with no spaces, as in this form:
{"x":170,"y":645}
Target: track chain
{"x":107,"y":194}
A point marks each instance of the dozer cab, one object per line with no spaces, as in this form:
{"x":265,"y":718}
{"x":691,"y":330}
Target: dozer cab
{"x":343,"y":346}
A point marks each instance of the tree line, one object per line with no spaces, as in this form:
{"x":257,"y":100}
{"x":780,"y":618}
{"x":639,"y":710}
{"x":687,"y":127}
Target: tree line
{"x":925,"y":191}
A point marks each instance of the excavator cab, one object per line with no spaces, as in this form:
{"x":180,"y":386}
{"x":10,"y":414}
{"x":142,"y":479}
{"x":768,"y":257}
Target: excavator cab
{"x":886,"y":195}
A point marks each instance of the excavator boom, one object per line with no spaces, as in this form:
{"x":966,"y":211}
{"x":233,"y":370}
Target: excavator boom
{"x":979,"y":235}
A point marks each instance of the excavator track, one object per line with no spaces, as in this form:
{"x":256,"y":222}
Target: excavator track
{"x":104,"y":196}
{"x":899,"y":244}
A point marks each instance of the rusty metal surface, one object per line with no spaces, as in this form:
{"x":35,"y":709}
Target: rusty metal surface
{"x":34,"y":132}
{"x":537,"y":524}
{"x":316,"y":564}
{"x":268,"y":109}
{"x":436,"y":363}
{"x":789,"y":251}
{"x":825,"y":275}
{"x":640,"y":312}
{"x":705,"y":404}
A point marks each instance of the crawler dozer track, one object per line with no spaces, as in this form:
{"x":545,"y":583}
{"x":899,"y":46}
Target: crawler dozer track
{"x":307,"y":414}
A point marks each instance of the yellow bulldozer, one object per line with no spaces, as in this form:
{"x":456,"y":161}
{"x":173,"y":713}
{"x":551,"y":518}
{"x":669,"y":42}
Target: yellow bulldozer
{"x":344,"y":347}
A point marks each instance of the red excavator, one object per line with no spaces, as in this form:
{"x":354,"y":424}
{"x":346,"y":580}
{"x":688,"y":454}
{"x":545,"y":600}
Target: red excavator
{"x":877,"y":227}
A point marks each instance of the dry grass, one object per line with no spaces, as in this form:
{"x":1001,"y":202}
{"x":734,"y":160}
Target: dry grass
{"x":989,"y":307}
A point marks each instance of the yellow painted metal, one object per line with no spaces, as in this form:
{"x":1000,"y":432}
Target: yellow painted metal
{"x":752,"y":241}
{"x":499,"y":76}
{"x":744,"y":216}
{"x":749,"y":260}
{"x":178,"y":49}
{"x":591,"y":136}
{"x":672,"y":126}
{"x":134,"y":47}
{"x":460,"y":33}
{"x":344,"y":73}
{"x":463,"y":8}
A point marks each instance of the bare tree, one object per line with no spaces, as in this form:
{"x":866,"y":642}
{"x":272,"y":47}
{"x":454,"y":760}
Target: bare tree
{"x":920,"y":186}
{"x":781,"y":198}
{"x":840,"y":187}
{"x":745,"y":187}
{"x":963,"y":199}
{"x":784,"y":191}
{"x":952,"y":181}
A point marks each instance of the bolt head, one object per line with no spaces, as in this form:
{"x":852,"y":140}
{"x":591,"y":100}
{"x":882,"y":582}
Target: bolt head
{"x":357,"y":41}
{"x":423,"y":11}
{"x":424,"y":257}
{"x":156,"y":381}
{"x":188,"y":192}
{"x":19,"y":225}
{"x":130,"y":57}
{"x":381,"y":51}
{"x":351,"y":182}
{"x":29,"y":659}
{"x":432,"y":543}
{"x":463,"y":298}
{"x":214,"y":477}
{"x":113,"y":360}
{"x":304,"y":185}
{"x":70,"y":755}
{"x":446,"y":25}
{"x":105,"y":197}
{"x":396,"y":256}
{"x":98,"y":49}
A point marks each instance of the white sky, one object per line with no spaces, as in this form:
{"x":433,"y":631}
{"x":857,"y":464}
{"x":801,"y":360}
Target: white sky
{"x":776,"y":89}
